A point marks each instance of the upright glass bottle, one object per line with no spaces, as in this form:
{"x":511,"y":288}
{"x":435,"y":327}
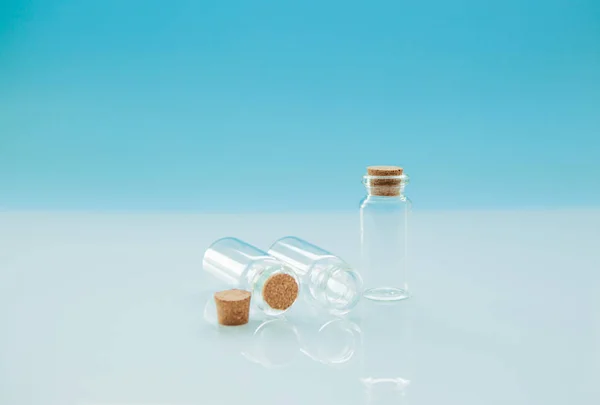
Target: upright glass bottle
{"x":329,"y":282}
{"x":274,"y":287}
{"x":384,"y":215}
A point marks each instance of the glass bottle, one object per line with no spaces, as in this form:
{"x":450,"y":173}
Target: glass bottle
{"x":274,"y":287}
{"x":330,"y":283}
{"x":384,"y":215}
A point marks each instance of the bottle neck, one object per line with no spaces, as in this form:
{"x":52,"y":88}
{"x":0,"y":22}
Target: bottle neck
{"x":335,"y":286}
{"x":385,"y":186}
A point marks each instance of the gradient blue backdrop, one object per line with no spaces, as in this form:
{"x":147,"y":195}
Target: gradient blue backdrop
{"x":279,"y":105}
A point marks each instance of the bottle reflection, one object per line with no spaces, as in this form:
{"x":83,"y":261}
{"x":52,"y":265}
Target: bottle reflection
{"x":385,"y":390}
{"x":387,"y":367}
{"x":274,"y":344}
{"x":278,"y":342}
{"x":334,"y":342}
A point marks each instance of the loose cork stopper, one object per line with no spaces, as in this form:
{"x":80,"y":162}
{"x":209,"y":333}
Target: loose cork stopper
{"x":385,"y":187}
{"x":280,"y":291}
{"x":233,"y":307}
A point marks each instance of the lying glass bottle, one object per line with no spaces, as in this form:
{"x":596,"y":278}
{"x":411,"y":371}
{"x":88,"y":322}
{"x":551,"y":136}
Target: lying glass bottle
{"x":329,"y":282}
{"x":274,"y":287}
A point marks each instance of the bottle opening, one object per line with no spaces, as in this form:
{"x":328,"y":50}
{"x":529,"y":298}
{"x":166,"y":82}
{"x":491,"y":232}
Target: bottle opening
{"x":385,"y":181}
{"x":385,"y":186}
{"x":343,"y":289}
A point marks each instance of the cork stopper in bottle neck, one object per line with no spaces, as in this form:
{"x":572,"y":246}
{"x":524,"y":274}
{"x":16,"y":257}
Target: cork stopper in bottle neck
{"x":385,"y":181}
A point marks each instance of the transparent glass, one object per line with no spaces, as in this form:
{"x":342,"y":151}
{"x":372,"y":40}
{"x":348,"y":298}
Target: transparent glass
{"x":241,"y":265}
{"x":330,"y":283}
{"x":334,"y":342}
{"x":275,"y":342}
{"x":389,"y":353}
{"x":384,"y":216}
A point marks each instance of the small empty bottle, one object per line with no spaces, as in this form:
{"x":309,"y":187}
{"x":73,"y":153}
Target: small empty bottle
{"x":329,"y":281}
{"x":384,"y":216}
{"x":274,"y":287}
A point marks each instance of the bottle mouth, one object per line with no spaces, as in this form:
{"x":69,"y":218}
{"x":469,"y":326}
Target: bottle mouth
{"x":401,"y":179}
{"x":343,"y":289}
{"x":385,"y":186}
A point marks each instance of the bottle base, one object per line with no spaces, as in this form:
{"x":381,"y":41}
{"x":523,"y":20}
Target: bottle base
{"x":386,"y":294}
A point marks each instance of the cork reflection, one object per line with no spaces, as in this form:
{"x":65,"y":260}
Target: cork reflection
{"x":280,"y":342}
{"x":267,"y":341}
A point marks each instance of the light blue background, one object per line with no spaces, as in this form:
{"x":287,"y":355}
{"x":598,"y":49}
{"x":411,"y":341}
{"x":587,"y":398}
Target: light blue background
{"x":279,"y":105}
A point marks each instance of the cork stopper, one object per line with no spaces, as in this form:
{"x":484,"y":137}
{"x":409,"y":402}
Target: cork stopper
{"x":384,"y":171}
{"x":280,"y":291}
{"x":233,"y":307}
{"x":381,"y":185}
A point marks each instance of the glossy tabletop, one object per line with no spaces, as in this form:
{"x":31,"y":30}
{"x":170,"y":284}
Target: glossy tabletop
{"x":113,"y":308}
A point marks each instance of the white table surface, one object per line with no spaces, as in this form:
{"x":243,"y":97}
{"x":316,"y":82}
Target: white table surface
{"x":112,"y":309}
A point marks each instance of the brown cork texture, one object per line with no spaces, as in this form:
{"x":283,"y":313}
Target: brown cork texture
{"x":386,"y":191}
{"x":382,"y":186}
{"x":280,"y":291}
{"x":384,"y":171}
{"x":233,"y":307}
